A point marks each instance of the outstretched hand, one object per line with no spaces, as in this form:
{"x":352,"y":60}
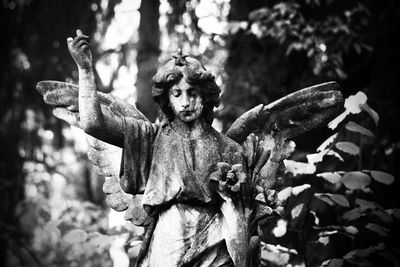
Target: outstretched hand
{"x":80,"y":50}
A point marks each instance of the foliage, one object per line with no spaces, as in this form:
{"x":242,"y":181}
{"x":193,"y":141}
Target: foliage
{"x":44,"y":178}
{"x":335,"y":218}
{"x":320,"y":29}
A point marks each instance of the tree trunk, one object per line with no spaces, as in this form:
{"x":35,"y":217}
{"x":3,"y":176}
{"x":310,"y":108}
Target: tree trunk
{"x":147,"y":57}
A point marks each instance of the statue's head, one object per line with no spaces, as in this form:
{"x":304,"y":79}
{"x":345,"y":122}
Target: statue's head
{"x":185,"y":89}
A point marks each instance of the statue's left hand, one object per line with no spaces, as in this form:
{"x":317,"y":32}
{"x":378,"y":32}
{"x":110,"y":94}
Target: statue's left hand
{"x":80,"y":50}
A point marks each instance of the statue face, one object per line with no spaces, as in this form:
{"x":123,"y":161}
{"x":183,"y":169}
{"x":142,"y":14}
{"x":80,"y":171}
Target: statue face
{"x":186,"y":101}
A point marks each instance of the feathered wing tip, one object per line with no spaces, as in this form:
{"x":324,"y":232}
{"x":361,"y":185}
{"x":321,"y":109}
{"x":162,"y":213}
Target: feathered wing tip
{"x":63,"y":97}
{"x":291,"y":115}
{"x":104,"y":157}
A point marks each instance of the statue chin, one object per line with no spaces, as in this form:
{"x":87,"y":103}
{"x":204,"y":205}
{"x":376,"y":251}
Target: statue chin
{"x":189,"y":116}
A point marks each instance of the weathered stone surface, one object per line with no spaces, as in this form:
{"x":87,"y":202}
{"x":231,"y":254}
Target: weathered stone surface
{"x":292,"y":115}
{"x":135,"y":212}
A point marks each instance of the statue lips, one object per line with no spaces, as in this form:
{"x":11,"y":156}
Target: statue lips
{"x":187,"y":113}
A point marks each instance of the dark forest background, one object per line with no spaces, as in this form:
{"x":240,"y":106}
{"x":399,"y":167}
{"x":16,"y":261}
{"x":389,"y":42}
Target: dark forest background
{"x":269,"y":49}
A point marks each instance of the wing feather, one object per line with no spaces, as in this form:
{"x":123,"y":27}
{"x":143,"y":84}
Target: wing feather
{"x":104,"y":157}
{"x":293,"y":114}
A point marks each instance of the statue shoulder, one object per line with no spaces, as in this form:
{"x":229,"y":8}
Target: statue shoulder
{"x":228,"y":145}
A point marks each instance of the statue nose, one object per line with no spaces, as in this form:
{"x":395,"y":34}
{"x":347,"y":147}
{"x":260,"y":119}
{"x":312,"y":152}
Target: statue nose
{"x":185,"y":101}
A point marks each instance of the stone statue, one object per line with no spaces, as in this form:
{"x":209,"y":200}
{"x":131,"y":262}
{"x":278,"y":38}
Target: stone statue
{"x":199,"y":193}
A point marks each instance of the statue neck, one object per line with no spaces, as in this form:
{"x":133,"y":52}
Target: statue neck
{"x":189,"y":130}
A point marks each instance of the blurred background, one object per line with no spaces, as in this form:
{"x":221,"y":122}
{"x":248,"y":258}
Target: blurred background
{"x":52,"y":210}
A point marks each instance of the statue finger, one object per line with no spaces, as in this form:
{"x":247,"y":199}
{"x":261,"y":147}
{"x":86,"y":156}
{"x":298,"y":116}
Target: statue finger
{"x":79,"y":32}
{"x":78,"y":40}
{"x":80,"y":37}
{"x":70,"y":43}
{"x":61,"y":97}
{"x":71,"y":118}
{"x":83,"y":44}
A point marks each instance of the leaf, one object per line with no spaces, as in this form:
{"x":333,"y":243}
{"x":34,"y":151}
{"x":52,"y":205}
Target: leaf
{"x":394,"y":212}
{"x":365,"y":204}
{"x":316,"y":157}
{"x":133,"y":251}
{"x":75,"y":236}
{"x":284,"y":193}
{"x":327,"y":142}
{"x":348,"y":147}
{"x":382,"y":177}
{"x":324,"y":240}
{"x":280,"y":229}
{"x":331,"y":199}
{"x":371,"y":112}
{"x":352,"y":215}
{"x":101,"y":240}
{"x":383,"y":216}
{"x":340,"y":199}
{"x":234,"y":26}
{"x":335,"y":154}
{"x":296,"y":167}
{"x":298,"y":189}
{"x":356,"y":180}
{"x":52,"y":229}
{"x":296,"y":211}
{"x":362,"y":253}
{"x":258,"y":14}
{"x":382,"y":231}
{"x":271,"y":253}
{"x":328,"y":233}
{"x":334,"y":263}
{"x":325,"y":198}
{"x":354,"y":127}
{"x":316,"y":219}
{"x":332,"y":177}
{"x":351,"y":230}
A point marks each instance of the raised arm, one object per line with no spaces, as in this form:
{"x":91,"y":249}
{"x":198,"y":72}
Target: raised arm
{"x":95,"y":122}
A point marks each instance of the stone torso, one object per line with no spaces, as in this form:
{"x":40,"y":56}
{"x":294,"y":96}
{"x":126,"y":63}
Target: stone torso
{"x":180,"y":166}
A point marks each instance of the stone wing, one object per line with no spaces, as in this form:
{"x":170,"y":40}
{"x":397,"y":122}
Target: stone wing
{"x":291,"y":115}
{"x":104,"y":157}
{"x":265,"y":130}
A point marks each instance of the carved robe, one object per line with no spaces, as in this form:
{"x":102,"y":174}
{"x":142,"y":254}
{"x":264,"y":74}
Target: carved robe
{"x":173,"y":174}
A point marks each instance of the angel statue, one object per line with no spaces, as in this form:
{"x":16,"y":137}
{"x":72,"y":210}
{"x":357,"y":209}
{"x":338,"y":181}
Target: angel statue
{"x":199,"y":193}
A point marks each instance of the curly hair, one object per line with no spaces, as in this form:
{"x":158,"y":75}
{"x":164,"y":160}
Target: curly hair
{"x":194,"y":73}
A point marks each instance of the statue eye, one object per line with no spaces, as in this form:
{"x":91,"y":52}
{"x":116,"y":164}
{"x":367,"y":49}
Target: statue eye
{"x":193,"y":92}
{"x":176,"y":92}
